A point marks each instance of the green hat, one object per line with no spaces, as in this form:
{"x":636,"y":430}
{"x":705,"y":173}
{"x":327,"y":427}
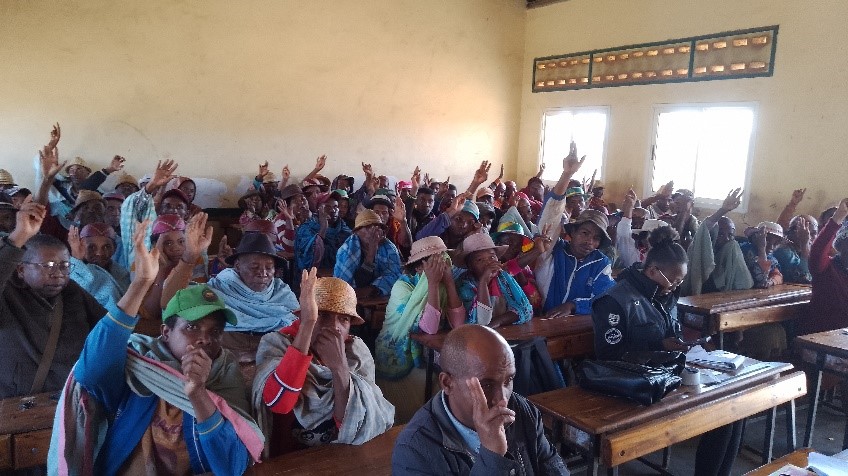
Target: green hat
{"x":196,"y":302}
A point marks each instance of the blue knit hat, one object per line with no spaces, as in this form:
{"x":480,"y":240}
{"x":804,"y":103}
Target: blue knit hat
{"x":471,"y":207}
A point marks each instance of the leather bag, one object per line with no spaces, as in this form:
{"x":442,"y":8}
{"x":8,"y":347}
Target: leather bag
{"x":645,"y":383}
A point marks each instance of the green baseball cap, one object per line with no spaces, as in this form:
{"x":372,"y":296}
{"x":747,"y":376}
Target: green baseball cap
{"x":196,"y":302}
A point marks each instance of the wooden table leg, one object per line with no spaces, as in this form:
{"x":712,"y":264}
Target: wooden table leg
{"x":791,"y":438}
{"x":721,"y":340}
{"x":814,"y":402}
{"x":768,"y":444}
{"x":428,"y":380}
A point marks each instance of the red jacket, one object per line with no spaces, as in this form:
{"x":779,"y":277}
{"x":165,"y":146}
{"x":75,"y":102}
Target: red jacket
{"x":829,"y":304}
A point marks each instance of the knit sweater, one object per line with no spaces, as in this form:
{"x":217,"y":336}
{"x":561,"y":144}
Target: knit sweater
{"x":25,"y":327}
{"x":829,"y":303}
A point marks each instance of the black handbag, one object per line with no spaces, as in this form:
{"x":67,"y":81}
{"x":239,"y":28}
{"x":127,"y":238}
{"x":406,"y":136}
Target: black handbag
{"x":671,"y":360}
{"x":643,"y":383}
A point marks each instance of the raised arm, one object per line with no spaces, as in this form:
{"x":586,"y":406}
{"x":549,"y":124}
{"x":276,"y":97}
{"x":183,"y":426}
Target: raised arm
{"x":480,"y":176}
{"x":820,"y":249}
{"x":733,"y":199}
{"x":198,"y":237}
{"x":320,"y":162}
{"x":789,"y":210}
{"x":570,"y":166}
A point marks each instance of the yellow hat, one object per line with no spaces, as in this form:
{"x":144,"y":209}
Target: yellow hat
{"x":6,"y":178}
{"x":335,"y":295}
{"x":367,"y":217}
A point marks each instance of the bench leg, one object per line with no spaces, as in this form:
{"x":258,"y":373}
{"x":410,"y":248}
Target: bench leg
{"x":814,"y":403}
{"x":768,"y":444}
{"x":666,"y":457}
{"x":791,"y":438}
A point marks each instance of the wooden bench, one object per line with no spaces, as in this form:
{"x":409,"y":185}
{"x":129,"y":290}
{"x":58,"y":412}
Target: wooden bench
{"x":373,"y":458}
{"x":25,"y":427}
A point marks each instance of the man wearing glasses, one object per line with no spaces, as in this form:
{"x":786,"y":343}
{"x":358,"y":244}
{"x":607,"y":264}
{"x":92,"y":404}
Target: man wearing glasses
{"x":44,"y":316}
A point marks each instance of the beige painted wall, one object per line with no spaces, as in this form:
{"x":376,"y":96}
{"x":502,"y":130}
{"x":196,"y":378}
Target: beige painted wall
{"x":220,"y":86}
{"x":803,"y":108}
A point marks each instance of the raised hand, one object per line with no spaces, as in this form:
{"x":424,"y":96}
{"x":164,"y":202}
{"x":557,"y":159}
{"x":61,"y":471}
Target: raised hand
{"x":457,"y":204}
{"x":500,"y":175}
{"x":286,"y":174}
{"x":77,"y":248}
{"x":224,"y":250}
{"x":146,"y":263}
{"x":48,"y":159}
{"x":426,"y":179}
{"x":489,"y":422}
{"x":797,"y":196}
{"x":366,"y":169}
{"x":116,"y":164}
{"x":28,"y":221}
{"x":320,"y":162}
{"x":399,"y":213}
{"x":734,"y":198}
{"x":628,"y":204}
{"x":263,"y":170}
{"x":541,"y":169}
{"x":162,"y":175}
{"x":570,"y":164}
{"x":543,"y":242}
{"x":482,"y":172}
{"x":283,"y":210}
{"x":198,"y":237}
{"x":666,"y":190}
{"x":841,"y":211}
{"x":196,"y":366}
{"x":308,"y":304}
{"x":802,"y":231}
{"x":55,"y":135}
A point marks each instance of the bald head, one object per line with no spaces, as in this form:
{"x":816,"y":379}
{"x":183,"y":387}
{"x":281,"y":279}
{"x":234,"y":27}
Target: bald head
{"x":469,"y":348}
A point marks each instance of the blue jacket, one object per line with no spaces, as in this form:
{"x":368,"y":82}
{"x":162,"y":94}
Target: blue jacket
{"x":212,"y":444}
{"x":577,"y":281}
{"x":431,"y":444}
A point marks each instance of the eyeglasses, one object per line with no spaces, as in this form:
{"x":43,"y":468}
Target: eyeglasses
{"x":53,"y":267}
{"x":671,"y":285}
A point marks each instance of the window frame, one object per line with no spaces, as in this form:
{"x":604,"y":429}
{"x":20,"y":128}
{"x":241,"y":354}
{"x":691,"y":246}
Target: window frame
{"x":701,"y":202}
{"x":575,"y":109}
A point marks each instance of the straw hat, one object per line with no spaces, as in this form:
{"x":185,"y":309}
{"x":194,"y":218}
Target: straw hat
{"x":127,"y":178}
{"x":335,"y":295}
{"x":269,"y":178}
{"x":427,"y":246}
{"x":367,"y":217}
{"x":84,"y":197}
{"x":242,"y":201}
{"x":77,"y":161}
{"x":485,"y":192}
{"x":6,"y":178}
{"x":476,"y":242}
{"x":771,"y":228}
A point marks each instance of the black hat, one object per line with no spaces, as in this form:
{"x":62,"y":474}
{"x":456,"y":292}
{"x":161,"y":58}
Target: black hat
{"x":256,"y":243}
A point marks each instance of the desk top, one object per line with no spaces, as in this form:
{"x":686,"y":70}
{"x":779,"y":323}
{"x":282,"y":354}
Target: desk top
{"x":833,"y":342}
{"x":712,"y":303}
{"x":599,"y":414}
{"x":538,"y":326}
{"x":27,"y":413}
{"x":798,"y":458}
{"x":372,"y":458}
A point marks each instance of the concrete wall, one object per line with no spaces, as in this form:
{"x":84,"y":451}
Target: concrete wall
{"x":220,"y":86}
{"x":803,"y":108}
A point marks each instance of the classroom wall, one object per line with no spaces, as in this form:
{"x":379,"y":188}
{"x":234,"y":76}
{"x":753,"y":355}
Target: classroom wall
{"x":803,"y":108}
{"x":221,"y":86}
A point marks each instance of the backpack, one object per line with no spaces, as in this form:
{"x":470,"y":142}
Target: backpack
{"x":535,"y":371}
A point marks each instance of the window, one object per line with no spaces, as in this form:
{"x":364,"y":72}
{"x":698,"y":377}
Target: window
{"x":703,"y":148}
{"x":585,"y":126}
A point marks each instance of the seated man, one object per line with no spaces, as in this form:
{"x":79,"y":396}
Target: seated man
{"x":458,"y":221}
{"x":92,"y":267}
{"x":758,"y":252}
{"x":830,"y":276}
{"x":317,"y":240}
{"x":476,"y":424}
{"x":317,"y":379}
{"x":39,"y":302}
{"x":572,"y":273}
{"x":794,"y":254}
{"x":7,"y":214}
{"x":173,"y":404}
{"x":420,"y":211}
{"x":392,"y":213}
{"x":367,"y":260}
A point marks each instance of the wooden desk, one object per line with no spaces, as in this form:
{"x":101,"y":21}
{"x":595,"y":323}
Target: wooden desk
{"x":374,"y":311}
{"x":372,"y":458}
{"x":567,"y":337}
{"x":620,"y":430}
{"x":798,"y":458}
{"x":823,"y":351}
{"x":717,"y":313}
{"x":25,"y":427}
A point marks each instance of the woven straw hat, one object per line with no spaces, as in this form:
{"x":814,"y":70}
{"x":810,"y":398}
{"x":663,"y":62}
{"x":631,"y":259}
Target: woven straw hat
{"x":84,"y":197}
{"x":476,"y":242}
{"x":269,"y":178}
{"x":127,"y":178}
{"x":425,"y":247}
{"x":77,"y":161}
{"x":335,"y":295}
{"x":367,"y":217}
{"x":6,"y":178}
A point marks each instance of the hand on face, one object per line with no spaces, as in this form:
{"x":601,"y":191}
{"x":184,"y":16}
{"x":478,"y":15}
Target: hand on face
{"x":196,"y":366}
{"x":489,"y":422}
{"x":434,"y":268}
{"x":330,"y":347}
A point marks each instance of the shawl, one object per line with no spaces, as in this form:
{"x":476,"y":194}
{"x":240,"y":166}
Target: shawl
{"x":395,"y":352}
{"x":386,"y":264}
{"x":81,"y":423}
{"x":503,"y":287}
{"x":726,"y":266}
{"x":262,"y":311}
{"x":304,"y":243}
{"x":367,"y":415}
{"x":107,"y":286}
